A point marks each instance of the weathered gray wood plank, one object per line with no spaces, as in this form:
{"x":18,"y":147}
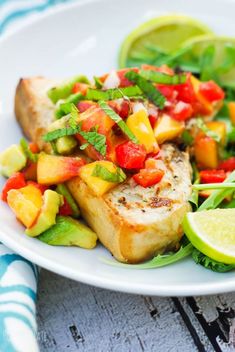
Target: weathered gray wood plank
{"x":73,"y":316}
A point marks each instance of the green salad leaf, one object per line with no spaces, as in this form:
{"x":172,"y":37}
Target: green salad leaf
{"x":162,"y":78}
{"x":159,"y":261}
{"x":209,"y":263}
{"x":151,"y":92}
{"x":103,"y":173}
{"x":119,"y":121}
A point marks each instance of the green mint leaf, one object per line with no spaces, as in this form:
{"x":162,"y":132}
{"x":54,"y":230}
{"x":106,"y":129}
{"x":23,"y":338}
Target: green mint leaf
{"x":67,"y":131}
{"x":187,"y":138}
{"x":103,"y":173}
{"x":119,"y":121}
{"x":112,"y":94}
{"x":73,"y":121}
{"x":151,"y":92}
{"x":162,"y":78}
{"x":84,"y":146}
{"x":97,"y":140}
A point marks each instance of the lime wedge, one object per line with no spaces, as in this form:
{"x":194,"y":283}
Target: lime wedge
{"x":223,"y":62}
{"x":161,"y":34}
{"x":213,"y":233}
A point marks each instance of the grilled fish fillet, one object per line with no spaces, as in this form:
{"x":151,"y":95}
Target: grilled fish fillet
{"x":133,"y":222}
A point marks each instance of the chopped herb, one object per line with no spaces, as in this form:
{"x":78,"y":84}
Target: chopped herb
{"x":84,"y":146}
{"x":112,"y":94}
{"x":103,"y":173}
{"x":187,"y":138}
{"x":151,"y":92}
{"x":63,"y":91}
{"x":209,"y":263}
{"x":73,"y":121}
{"x":98,"y":82}
{"x":29,"y":155}
{"x":207,"y":131}
{"x":67,"y":131}
{"x":65,"y":107}
{"x":119,"y":121}
{"x":97,"y":140}
{"x":62,"y":189}
{"x":162,"y":78}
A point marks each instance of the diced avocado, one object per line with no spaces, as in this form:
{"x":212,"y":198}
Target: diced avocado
{"x":51,"y":203}
{"x":63,"y":190}
{"x":65,"y":145}
{"x":12,"y":160}
{"x":69,"y":232}
{"x":61,"y":123}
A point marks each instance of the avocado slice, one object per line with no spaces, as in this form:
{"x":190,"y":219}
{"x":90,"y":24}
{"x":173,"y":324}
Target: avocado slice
{"x":12,"y":160}
{"x":47,"y":215}
{"x":64,"y":145}
{"x":63,"y":190}
{"x":69,"y":232}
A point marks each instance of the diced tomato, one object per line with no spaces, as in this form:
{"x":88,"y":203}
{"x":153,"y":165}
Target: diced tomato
{"x":65,"y":209}
{"x":168,"y":91}
{"x":122,"y":108}
{"x":181,"y":111}
{"x":148,"y":177}
{"x":153,"y":115}
{"x":211,"y":91}
{"x":124,"y":82}
{"x":130,"y":155}
{"x":228,"y":165}
{"x":30,"y":171}
{"x":42,"y":188}
{"x":80,"y":88}
{"x":16,"y":181}
{"x":34,"y":148}
{"x":84,"y":105}
{"x":185,"y":91}
{"x":212,"y":176}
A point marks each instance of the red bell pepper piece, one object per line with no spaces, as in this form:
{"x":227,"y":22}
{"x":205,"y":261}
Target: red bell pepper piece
{"x":65,"y":209}
{"x":211,"y":91}
{"x":130,"y":155}
{"x":212,"y":176}
{"x":148,"y":177}
{"x":181,"y":111}
{"x":16,"y":181}
{"x":228,"y":165}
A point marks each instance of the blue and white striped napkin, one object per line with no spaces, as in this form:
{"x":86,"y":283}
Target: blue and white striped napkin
{"x":18,"y":277}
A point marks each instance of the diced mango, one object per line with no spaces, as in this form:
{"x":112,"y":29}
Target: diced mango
{"x":96,"y":184}
{"x":25,"y":203}
{"x":231,"y":109}
{"x":140,"y":126}
{"x":207,"y":106}
{"x":220,"y":128}
{"x":206,"y":152}
{"x":167,"y":129}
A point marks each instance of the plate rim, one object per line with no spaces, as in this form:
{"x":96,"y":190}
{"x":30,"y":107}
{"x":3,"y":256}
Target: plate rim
{"x":127,"y":287}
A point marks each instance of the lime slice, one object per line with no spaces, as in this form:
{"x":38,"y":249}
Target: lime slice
{"x":223,"y":59}
{"x":165,"y":33}
{"x":213,"y":233}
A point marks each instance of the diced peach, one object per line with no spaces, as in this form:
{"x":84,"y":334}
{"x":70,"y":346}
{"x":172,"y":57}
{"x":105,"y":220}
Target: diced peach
{"x":206,"y":105}
{"x":218,"y":127}
{"x":206,"y":152}
{"x":231,"y":109}
{"x":96,"y":117}
{"x":140,"y":126}
{"x":53,"y":169}
{"x":167,"y":129}
{"x":25,"y":203}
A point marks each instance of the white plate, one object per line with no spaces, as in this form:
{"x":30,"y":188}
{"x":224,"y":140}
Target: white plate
{"x":84,"y":38}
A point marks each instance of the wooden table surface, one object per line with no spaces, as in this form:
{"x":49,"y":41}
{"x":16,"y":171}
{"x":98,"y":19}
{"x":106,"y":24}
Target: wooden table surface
{"x":77,"y":317}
